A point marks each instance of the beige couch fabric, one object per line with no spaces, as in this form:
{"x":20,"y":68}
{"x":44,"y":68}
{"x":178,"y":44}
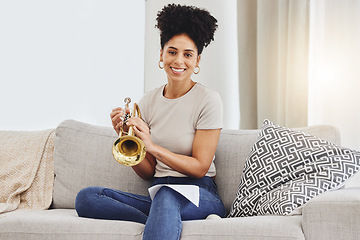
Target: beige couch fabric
{"x":27,"y":170}
{"x":83,"y":158}
{"x":60,"y":224}
{"x":333,"y":215}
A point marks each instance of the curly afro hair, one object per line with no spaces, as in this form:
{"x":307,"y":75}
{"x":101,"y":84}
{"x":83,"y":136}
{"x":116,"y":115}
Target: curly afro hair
{"x":197,"y":23}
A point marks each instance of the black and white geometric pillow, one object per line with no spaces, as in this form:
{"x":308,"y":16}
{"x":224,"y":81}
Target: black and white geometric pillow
{"x":286,"y":168}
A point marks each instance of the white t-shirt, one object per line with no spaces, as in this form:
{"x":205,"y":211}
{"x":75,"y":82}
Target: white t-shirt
{"x":173,"y":122}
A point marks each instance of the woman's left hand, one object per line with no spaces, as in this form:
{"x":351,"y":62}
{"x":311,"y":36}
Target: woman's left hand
{"x":146,"y":168}
{"x":141,"y":130}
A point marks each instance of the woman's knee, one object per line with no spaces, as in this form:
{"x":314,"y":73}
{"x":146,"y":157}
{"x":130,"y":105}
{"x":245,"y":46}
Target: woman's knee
{"x":85,"y":199}
{"x":212,"y":203}
{"x":167,"y":195}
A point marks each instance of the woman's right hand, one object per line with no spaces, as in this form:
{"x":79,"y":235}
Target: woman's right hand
{"x":116,"y":116}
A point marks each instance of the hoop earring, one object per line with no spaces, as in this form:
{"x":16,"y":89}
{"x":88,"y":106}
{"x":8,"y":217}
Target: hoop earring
{"x":197,"y":70}
{"x":161,"y":67}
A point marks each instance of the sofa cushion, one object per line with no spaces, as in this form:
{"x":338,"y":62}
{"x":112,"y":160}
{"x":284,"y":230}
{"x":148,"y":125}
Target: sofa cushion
{"x":286,"y":168}
{"x":249,"y":228}
{"x":58,"y":224}
{"x":83,"y":158}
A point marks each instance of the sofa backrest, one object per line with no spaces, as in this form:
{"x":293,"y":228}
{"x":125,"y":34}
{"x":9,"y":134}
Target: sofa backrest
{"x":234,"y":147}
{"x":83,"y":157}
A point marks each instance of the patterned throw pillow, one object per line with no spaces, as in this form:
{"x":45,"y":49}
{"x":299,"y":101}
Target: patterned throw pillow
{"x":286,"y":168}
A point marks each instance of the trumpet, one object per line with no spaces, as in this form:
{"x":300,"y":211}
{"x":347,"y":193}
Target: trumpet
{"x":128,"y":149}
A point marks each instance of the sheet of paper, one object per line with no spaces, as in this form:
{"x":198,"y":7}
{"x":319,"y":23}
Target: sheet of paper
{"x":191,"y":192}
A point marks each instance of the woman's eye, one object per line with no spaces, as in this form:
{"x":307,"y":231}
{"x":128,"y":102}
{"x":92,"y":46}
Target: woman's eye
{"x":188,"y":55}
{"x":172,"y":52}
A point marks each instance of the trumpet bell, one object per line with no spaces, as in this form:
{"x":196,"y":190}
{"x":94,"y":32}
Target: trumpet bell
{"x":129,"y":150}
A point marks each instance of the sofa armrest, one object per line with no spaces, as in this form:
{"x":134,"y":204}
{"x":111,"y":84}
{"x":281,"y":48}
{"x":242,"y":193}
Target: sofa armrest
{"x":333,"y":215}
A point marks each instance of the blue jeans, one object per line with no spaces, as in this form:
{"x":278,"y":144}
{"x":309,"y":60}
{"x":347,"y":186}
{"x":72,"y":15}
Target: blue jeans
{"x":162,"y":217}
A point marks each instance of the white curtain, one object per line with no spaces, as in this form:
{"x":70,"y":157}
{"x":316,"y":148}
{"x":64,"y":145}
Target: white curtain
{"x":334,"y":74}
{"x":219,"y":62}
{"x":299,"y":64}
{"x":273,"y":62}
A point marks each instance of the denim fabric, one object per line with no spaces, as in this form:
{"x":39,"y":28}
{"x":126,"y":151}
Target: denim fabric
{"x":162,"y":216}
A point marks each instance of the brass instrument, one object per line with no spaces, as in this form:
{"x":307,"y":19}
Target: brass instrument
{"x":128,"y":149}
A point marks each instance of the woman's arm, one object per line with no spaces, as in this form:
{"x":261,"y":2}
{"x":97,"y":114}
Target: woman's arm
{"x":146,"y":168}
{"x":196,"y":166}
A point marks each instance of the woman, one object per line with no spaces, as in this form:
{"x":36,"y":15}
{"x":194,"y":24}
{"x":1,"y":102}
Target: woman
{"x":180,"y":127}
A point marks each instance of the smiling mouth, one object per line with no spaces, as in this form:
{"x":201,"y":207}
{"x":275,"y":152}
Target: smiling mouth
{"x":178,"y":70}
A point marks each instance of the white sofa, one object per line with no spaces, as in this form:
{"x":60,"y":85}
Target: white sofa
{"x":82,"y":157}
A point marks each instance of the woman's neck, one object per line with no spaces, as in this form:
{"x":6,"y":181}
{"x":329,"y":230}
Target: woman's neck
{"x":175,"y":90}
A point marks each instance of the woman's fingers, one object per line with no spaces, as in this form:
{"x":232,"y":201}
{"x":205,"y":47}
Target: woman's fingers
{"x":139,"y":124}
{"x":116,"y":116}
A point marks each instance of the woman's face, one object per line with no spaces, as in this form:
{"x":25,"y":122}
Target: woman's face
{"x":180,"y":57}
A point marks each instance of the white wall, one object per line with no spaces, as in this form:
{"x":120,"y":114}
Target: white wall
{"x":68,"y":59}
{"x":219,"y":62}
